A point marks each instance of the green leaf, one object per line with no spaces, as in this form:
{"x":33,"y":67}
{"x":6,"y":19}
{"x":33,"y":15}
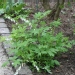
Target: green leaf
{"x":18,"y":7}
{"x":42,"y":23}
{"x":55,"y":23}
{"x":47,"y":69}
{"x":16,"y":62}
{"x":51,"y":54}
{"x":69,"y":3}
{"x":5,"y":64}
{"x":56,"y":62}
{"x":2,"y":11}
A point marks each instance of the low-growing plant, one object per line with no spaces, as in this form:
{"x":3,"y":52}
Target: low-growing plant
{"x":13,"y":9}
{"x":16,"y":10}
{"x":36,"y":43}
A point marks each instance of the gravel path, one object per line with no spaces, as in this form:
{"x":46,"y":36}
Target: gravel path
{"x":4,"y":31}
{"x":3,"y":58}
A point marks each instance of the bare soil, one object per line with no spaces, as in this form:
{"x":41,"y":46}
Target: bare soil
{"x":67,"y":60}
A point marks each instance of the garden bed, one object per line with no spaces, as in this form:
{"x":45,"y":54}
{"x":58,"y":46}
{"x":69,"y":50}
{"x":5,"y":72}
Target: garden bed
{"x":67,"y":60}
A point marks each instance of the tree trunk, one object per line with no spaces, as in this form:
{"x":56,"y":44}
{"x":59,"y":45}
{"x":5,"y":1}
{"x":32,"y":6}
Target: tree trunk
{"x":46,"y":5}
{"x":55,"y":11}
{"x":60,"y":6}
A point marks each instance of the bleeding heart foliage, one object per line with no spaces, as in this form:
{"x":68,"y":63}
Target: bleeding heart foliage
{"x":35,"y":42}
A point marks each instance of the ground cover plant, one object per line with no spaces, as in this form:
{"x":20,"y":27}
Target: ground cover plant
{"x":36,"y":43}
{"x":12,"y":8}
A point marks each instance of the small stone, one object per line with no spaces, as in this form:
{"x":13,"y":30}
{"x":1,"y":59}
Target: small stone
{"x":57,"y":71}
{"x":64,"y":56}
{"x":3,"y":25}
{"x":25,"y":71}
{"x":4,"y":30}
{"x":2,"y":20}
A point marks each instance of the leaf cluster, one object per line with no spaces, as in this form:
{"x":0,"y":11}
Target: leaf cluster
{"x":38,"y":45}
{"x":13,"y":9}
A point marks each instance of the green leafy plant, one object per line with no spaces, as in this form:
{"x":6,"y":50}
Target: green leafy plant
{"x":2,"y":6}
{"x":2,"y":39}
{"x":34,"y":42}
{"x":12,"y":8}
{"x":16,"y":12}
{"x":15,"y":8}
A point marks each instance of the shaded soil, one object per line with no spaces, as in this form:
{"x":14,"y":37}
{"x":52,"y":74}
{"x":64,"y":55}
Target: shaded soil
{"x":67,"y":60}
